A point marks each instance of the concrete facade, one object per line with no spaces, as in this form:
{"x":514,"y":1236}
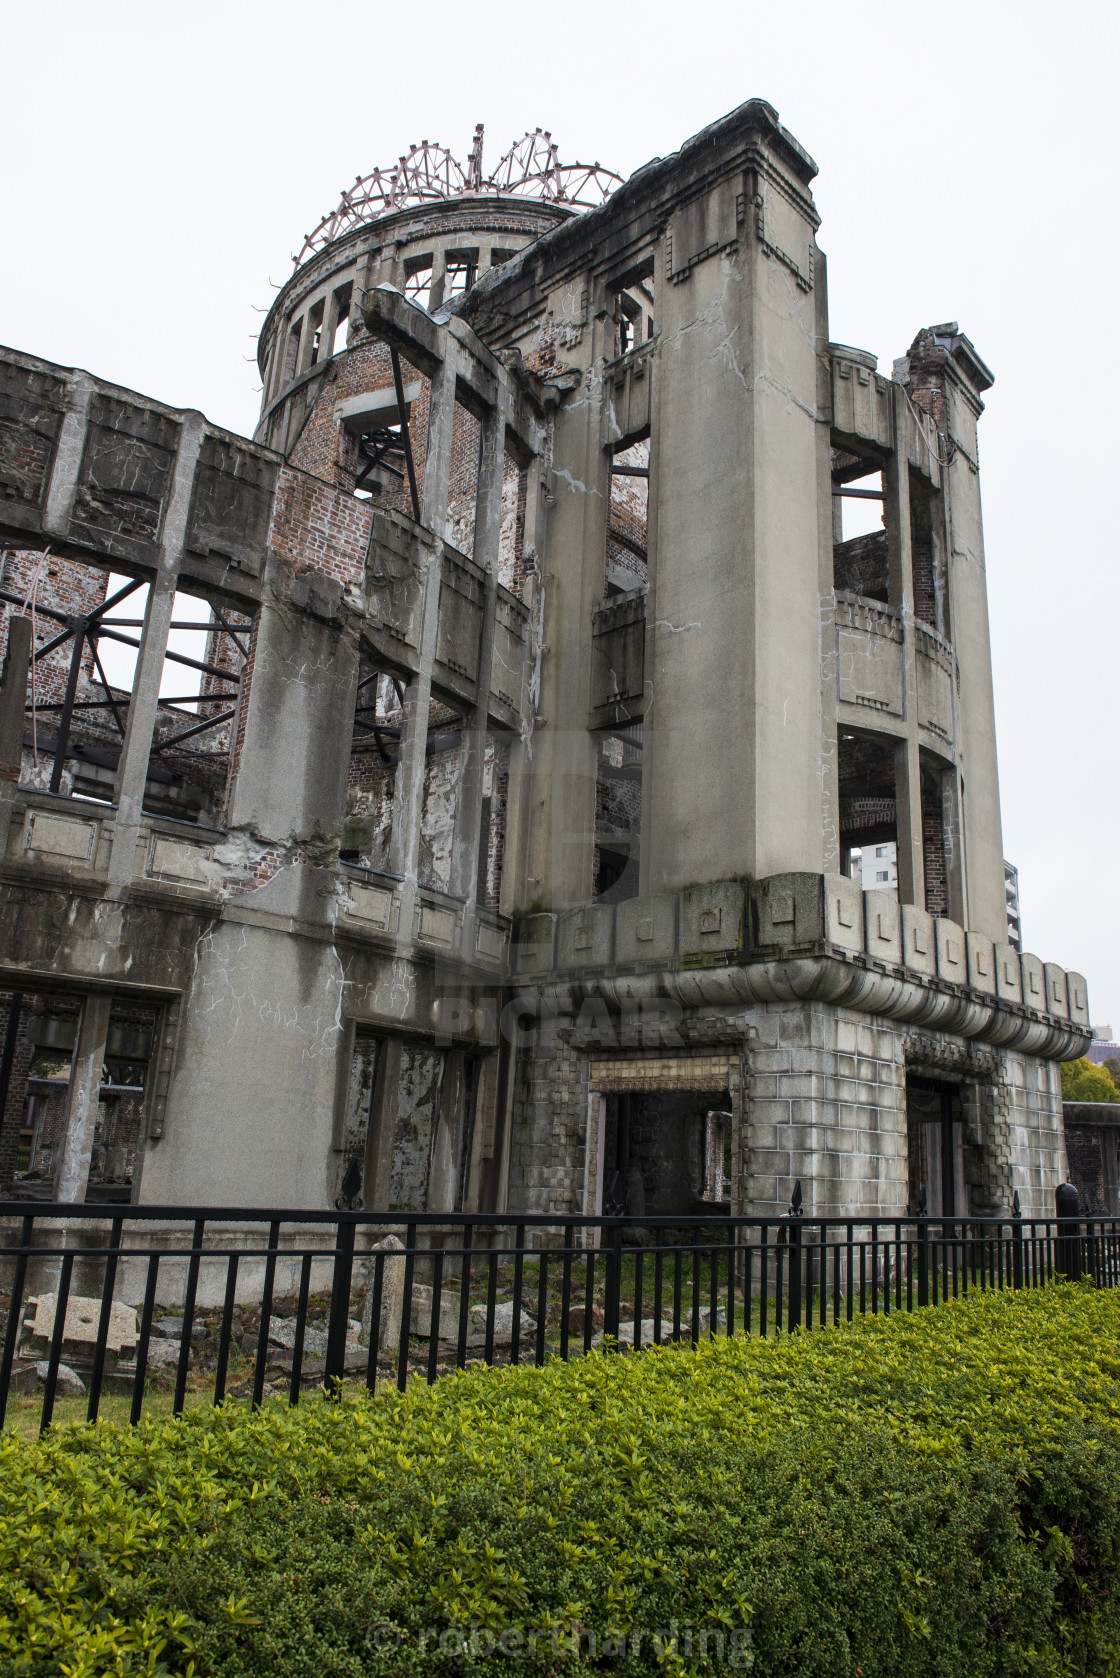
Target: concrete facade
{"x":504,"y":849}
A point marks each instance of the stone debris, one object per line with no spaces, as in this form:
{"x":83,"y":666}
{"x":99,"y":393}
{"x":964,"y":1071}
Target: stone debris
{"x":625,"y":1335}
{"x":392,"y":1292}
{"x":503,"y":1325}
{"x":67,"y":1381}
{"x":163,"y":1354}
{"x":282,"y":1332}
{"x":83,"y":1316}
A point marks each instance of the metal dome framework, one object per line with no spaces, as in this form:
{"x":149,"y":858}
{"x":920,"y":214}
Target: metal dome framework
{"x":428,"y":173}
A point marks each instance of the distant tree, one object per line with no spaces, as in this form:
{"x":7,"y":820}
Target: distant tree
{"x":1082,"y":1081}
{"x":1112,"y":1067}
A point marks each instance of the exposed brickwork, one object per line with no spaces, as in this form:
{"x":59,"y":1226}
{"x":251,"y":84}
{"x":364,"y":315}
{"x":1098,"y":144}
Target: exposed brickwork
{"x":316,"y":526}
{"x":933,"y":854}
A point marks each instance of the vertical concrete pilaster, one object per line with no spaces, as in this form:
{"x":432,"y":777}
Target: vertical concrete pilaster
{"x":81,"y":1101}
{"x":132,"y":769}
{"x":487,"y":536}
{"x":907,"y":767}
{"x":408,"y":791}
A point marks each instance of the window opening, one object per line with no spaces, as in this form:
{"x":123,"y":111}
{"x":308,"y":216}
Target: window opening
{"x":628,"y":520}
{"x":859,"y":549}
{"x":462,"y":271}
{"x":868,"y":811}
{"x":418,"y":279}
{"x":342,"y":298}
{"x":618,"y":814}
{"x":80,"y":689}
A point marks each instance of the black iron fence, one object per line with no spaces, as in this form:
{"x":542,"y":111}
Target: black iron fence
{"x":159,"y":1308}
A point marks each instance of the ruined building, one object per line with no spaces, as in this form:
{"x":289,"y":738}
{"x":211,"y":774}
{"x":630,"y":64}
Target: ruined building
{"x":447,"y":798}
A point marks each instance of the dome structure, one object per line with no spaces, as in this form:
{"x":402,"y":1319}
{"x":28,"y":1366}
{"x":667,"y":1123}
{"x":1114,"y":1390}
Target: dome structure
{"x":531,"y":168}
{"x":428,"y":226}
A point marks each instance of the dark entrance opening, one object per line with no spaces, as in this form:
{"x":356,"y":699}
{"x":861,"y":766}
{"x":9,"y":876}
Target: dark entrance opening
{"x":667,"y":1154}
{"x":933,"y":1121}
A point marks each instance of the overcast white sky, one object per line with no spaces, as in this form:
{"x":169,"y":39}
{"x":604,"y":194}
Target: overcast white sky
{"x":161,"y":165}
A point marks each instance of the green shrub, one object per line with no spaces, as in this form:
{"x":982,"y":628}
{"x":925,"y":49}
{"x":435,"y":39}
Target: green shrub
{"x":936,"y":1494}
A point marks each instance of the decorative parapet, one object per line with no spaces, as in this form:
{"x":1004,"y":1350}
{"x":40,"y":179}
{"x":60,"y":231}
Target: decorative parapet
{"x":809,"y":936}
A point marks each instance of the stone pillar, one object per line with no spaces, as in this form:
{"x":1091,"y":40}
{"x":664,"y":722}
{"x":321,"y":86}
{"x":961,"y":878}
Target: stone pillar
{"x":132,"y":768}
{"x":438,"y":283}
{"x":949,"y":379}
{"x":81,"y":1101}
{"x":733,"y":677}
{"x":13,"y":700}
{"x":559,"y":829}
{"x":907,"y":775}
{"x":408,"y":789}
{"x":487,"y":536}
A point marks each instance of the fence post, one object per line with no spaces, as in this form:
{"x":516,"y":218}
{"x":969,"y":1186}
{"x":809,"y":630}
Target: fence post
{"x":340,"y":1304}
{"x":1016,"y":1242}
{"x":1068,"y":1206}
{"x":923,"y":1248}
{"x":613,"y":1281}
{"x":795,"y":1216}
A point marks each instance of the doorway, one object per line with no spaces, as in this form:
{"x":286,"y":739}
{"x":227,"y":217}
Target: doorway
{"x":936,"y":1159}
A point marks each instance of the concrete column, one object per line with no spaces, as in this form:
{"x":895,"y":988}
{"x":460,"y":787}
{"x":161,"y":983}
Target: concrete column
{"x":68,"y":458}
{"x":81,"y":1102}
{"x":559,"y":813}
{"x":487,"y":536}
{"x":330,"y":321}
{"x":438,"y":283}
{"x":378,"y":1174}
{"x":13,"y":696}
{"x":408,"y":788}
{"x":907,"y":776}
{"x":444,"y":1171}
{"x":13,"y":701}
{"x":733,"y":718}
{"x":132,"y":769}
{"x":834,"y":858}
{"x":306,"y":339}
{"x":986,"y":904}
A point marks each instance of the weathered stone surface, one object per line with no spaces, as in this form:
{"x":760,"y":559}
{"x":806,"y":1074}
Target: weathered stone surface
{"x":67,"y":1381}
{"x":82,"y":1319}
{"x":282,"y":1332}
{"x":392,"y":1293}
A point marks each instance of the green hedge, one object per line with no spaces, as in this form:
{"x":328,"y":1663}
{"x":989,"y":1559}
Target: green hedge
{"x":936,"y":1494}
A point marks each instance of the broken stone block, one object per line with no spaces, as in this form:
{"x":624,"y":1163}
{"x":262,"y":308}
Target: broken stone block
{"x":420,"y":1314}
{"x":80,"y":1329}
{"x":392,"y":1294}
{"x":163,"y":1354}
{"x":577,"y":1319}
{"x":503,"y":1324}
{"x":67,"y":1380}
{"x":168,"y":1328}
{"x":705,"y":1316}
{"x":282,"y":1332}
